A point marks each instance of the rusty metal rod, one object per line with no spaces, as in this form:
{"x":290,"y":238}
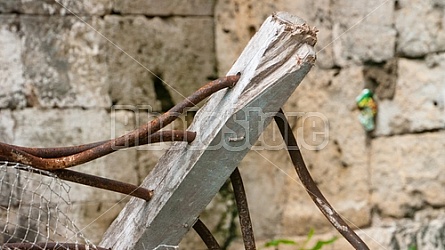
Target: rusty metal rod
{"x":49,"y":246}
{"x":104,"y":183}
{"x":160,"y":136}
{"x":93,"y":181}
{"x":310,"y":186}
{"x":57,"y":151}
{"x":169,"y":116}
{"x":128,"y":139}
{"x":16,"y":154}
{"x":243,"y":210}
{"x":206,"y":235}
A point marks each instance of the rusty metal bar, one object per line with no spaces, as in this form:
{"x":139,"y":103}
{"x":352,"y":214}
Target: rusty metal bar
{"x":100,"y":182}
{"x":312,"y":189}
{"x":49,"y":246}
{"x":104,"y":183}
{"x":94,"y":181}
{"x":206,"y":235}
{"x":243,"y":210}
{"x":27,"y":157}
{"x":160,"y":136}
{"x":131,"y":138}
{"x":58,"y":151}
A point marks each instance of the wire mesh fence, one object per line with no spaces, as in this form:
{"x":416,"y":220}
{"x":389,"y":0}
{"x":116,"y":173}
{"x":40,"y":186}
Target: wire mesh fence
{"x":34,"y":209}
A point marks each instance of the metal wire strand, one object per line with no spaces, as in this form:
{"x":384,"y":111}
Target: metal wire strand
{"x":310,"y":186}
{"x":243,"y":210}
{"x":206,"y":235}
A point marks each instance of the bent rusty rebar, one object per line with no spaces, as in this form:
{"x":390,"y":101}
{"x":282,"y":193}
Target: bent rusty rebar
{"x":37,"y":157}
{"x":206,"y":236}
{"x":130,"y":138}
{"x":57,"y":151}
{"x":160,"y":136}
{"x":310,"y":186}
{"x":96,"y":181}
{"x":104,"y":183}
{"x":243,"y":210}
{"x":93,"y":181}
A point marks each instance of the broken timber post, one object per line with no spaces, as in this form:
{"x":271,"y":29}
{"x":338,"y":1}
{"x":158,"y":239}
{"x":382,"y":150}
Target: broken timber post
{"x":187,"y":177}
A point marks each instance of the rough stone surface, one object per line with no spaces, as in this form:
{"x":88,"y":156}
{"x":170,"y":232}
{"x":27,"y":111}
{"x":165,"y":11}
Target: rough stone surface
{"x":64,"y":62}
{"x":177,"y":50}
{"x":8,"y":6}
{"x":59,"y":7}
{"x":362,"y":31}
{"x":421,"y":27}
{"x":65,"y":7}
{"x":6,"y":126}
{"x":363,"y":43}
{"x":355,"y":13}
{"x":381,"y":79}
{"x":434,"y":59}
{"x":414,"y":173}
{"x":419,"y":101}
{"x":422,"y":235}
{"x":12,"y":93}
{"x":349,"y":32}
{"x":165,"y":8}
{"x":74,"y":127}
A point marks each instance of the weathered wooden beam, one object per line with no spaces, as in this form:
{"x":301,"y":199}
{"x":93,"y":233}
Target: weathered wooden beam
{"x":187,"y":177}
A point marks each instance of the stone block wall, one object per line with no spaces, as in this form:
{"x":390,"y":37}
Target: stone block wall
{"x":73,"y":72}
{"x":388,"y":183}
{"x":65,"y":64}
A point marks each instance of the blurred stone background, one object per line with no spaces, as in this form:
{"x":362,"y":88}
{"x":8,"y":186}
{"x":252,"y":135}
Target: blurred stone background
{"x":73,"y":72}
